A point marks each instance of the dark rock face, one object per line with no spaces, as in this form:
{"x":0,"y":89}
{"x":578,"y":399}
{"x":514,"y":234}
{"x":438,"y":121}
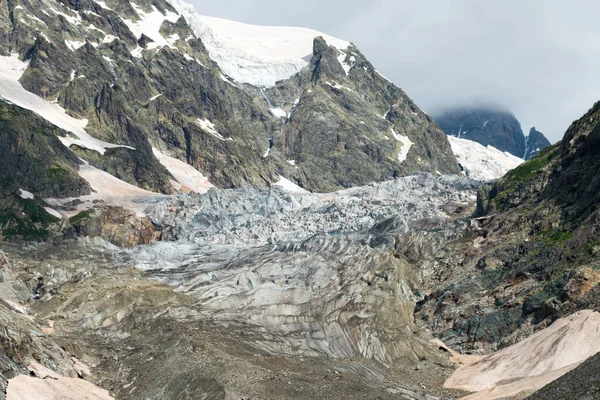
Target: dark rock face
{"x":342,"y":130}
{"x":539,"y":247}
{"x":535,"y":142}
{"x":33,"y":158}
{"x":495,"y":128}
{"x":85,"y":56}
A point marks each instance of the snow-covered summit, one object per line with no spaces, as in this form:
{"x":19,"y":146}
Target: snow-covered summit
{"x":256,"y":55}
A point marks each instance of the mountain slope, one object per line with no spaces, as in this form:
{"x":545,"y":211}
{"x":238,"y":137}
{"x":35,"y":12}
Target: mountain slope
{"x":138,"y":77}
{"x":259,"y":56}
{"x":536,"y":255}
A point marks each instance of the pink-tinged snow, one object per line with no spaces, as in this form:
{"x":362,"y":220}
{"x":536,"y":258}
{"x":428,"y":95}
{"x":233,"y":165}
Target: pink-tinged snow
{"x":45,"y":384}
{"x":533,"y":362}
{"x":11,"y":70}
{"x":256,"y":55}
{"x":480,"y":162}
{"x":149,"y":24}
{"x":289,"y":186}
{"x":188,"y":178}
{"x":108,"y":189}
{"x":406,"y":145}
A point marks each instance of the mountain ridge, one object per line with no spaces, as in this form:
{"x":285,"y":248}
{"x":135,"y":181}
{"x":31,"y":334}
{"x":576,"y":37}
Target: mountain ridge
{"x":122,"y":84}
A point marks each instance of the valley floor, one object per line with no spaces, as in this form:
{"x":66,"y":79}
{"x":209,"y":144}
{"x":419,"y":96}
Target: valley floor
{"x":268,"y":294}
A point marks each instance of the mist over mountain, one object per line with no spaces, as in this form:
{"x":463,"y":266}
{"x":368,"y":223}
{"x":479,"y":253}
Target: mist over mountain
{"x":492,"y":127}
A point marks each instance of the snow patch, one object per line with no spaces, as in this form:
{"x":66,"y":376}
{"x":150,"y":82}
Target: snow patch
{"x":53,"y":212}
{"x":278,"y":112}
{"x":25,"y":195}
{"x":108,"y":189}
{"x":209,"y":127}
{"x":103,"y":5}
{"x":224,"y":78}
{"x":187,"y":176}
{"x":347,"y":66}
{"x":406,"y":145}
{"x":482,"y":163}
{"x":337,"y":86}
{"x":149,"y":24}
{"x":71,"y":19}
{"x":73,"y":45}
{"x":289,"y":186}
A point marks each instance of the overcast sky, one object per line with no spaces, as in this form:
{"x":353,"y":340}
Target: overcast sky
{"x":538,"y":58}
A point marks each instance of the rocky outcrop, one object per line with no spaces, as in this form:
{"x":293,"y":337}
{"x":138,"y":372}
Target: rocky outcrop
{"x":34,"y":164}
{"x":116,"y":225}
{"x":33,"y":158}
{"x":492,"y":127}
{"x":26,"y":351}
{"x":350,"y":128}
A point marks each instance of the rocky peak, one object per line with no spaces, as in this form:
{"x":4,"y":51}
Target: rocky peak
{"x":535,"y":142}
{"x":325,"y":60}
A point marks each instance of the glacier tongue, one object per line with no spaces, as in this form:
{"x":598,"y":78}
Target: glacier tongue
{"x":307,"y":274}
{"x":256,"y":55}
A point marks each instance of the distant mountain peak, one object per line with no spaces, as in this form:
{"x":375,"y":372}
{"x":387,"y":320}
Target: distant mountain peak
{"x":534,"y":143}
{"x":492,"y":126}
